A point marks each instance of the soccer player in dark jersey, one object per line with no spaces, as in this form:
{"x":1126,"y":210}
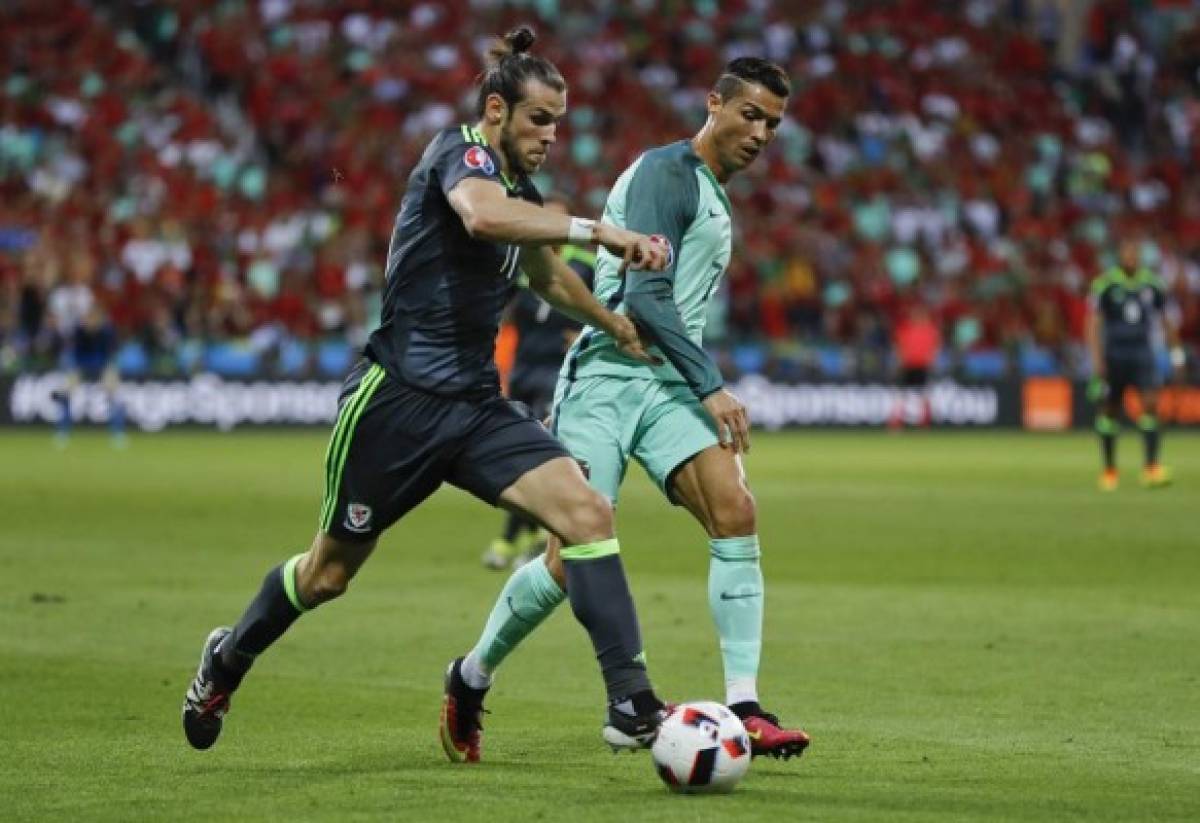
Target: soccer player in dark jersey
{"x":1123,"y":305}
{"x":423,"y":406}
{"x":543,"y":336}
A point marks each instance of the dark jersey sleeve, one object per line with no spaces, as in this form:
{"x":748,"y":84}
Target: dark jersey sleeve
{"x":459,"y":158}
{"x":662,"y":199}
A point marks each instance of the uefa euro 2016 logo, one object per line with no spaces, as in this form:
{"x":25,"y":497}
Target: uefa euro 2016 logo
{"x":478,"y":158}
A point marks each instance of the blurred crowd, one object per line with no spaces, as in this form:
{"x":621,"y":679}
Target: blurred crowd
{"x":220,"y":178}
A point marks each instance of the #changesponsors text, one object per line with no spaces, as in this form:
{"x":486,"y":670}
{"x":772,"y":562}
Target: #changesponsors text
{"x":205,"y":399}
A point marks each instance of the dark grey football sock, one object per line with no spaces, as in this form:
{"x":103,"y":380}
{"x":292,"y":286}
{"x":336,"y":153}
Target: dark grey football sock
{"x":272,"y":611}
{"x":602,"y":602}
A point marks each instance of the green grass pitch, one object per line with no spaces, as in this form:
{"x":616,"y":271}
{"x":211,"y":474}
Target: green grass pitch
{"x":968,"y":629}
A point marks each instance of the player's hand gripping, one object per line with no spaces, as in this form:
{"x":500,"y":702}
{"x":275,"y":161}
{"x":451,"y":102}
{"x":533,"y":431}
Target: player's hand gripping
{"x":636,"y":250}
{"x":625,"y":334}
{"x":730,"y":416}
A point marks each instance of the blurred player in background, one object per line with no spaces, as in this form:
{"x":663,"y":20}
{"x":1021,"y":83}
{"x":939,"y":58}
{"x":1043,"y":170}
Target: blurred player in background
{"x":90,"y":356}
{"x":87,"y":344}
{"x":1125,"y":301}
{"x":423,"y":406}
{"x":675,"y":418}
{"x":543,"y":336}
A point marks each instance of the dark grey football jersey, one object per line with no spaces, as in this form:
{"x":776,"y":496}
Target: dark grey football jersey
{"x":445,"y":290}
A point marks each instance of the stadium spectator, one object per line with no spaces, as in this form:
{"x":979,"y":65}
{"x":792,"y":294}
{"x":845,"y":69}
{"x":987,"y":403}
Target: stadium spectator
{"x":979,"y":157}
{"x":918,"y":341}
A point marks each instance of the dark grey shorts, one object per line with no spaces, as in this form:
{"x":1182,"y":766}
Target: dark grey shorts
{"x":393,"y":446}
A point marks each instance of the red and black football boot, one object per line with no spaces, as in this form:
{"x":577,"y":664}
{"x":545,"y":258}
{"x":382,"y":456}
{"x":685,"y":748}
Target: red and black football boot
{"x":462,"y":717}
{"x":767,"y":737}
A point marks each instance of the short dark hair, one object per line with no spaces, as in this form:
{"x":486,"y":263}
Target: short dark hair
{"x":752,"y":70}
{"x":509,"y":65}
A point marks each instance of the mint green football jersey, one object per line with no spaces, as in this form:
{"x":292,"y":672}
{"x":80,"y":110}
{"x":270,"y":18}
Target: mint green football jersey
{"x":668,"y":191}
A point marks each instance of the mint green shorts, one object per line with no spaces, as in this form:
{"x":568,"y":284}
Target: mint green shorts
{"x":605,"y":421}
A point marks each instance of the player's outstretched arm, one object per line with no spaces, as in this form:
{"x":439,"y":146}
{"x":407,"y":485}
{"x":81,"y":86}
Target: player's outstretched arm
{"x":488,"y":213}
{"x":562,"y":288}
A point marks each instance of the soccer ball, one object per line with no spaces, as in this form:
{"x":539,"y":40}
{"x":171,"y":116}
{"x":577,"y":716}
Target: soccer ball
{"x":701,"y":747}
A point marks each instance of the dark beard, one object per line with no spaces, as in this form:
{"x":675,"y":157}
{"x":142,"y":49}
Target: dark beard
{"x":508,"y":149}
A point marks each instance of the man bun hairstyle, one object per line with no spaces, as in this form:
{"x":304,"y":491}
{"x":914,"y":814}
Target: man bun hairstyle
{"x":510,"y":64}
{"x":753,"y":70}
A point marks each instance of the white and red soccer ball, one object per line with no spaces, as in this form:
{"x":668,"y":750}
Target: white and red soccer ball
{"x":701,"y":747}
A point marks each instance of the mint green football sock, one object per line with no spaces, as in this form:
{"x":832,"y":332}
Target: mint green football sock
{"x":528,"y":598}
{"x":735,"y":596}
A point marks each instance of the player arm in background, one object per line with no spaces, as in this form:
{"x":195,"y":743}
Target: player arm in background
{"x":1171,"y":323}
{"x":561,"y":287}
{"x":1093,"y":326}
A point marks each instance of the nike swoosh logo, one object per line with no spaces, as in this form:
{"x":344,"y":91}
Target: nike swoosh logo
{"x":754,"y":735}
{"x":715,"y":213}
{"x":728,"y":596}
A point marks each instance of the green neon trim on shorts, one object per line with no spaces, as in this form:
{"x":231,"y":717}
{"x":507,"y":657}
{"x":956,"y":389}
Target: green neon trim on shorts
{"x":334,"y":447}
{"x":339,"y":444}
{"x":289,"y":583}
{"x":592,"y":551}
{"x":366,"y":389}
{"x":331,"y":450}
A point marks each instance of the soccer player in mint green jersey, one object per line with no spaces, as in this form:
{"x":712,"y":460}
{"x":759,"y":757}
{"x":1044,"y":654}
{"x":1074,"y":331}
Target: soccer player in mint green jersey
{"x":673,"y":417}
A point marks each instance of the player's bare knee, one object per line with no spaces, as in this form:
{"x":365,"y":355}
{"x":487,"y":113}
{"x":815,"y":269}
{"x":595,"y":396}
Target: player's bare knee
{"x":735,"y":516}
{"x":328,"y":582}
{"x":325,"y":572}
{"x":591,"y":519}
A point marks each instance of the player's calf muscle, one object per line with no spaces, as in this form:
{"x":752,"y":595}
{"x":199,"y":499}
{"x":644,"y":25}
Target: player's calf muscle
{"x":325,"y":571}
